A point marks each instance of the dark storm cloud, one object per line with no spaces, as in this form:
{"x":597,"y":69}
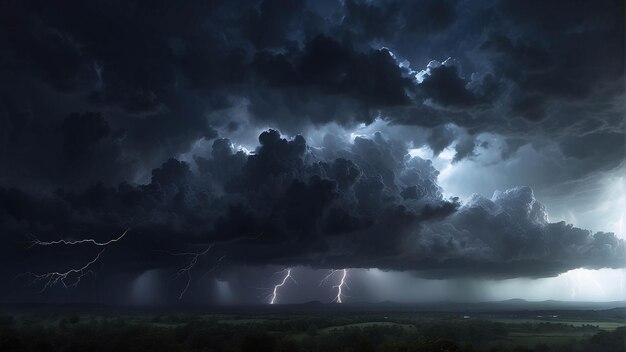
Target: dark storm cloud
{"x":101,"y":57}
{"x":388,"y":19}
{"x":440,"y":138}
{"x":562,"y":65}
{"x":508,"y":235}
{"x":365,"y":205}
{"x":284,"y":204}
{"x":107,"y":91}
{"x":327,"y":81}
{"x":464,"y":148}
{"x":443,"y":85}
{"x":159,"y":70}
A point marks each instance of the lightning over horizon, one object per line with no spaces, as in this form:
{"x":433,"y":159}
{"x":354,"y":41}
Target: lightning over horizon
{"x":340,"y":286}
{"x":274,"y":294}
{"x":312,"y":175}
{"x":409,"y":146}
{"x":192,"y":263}
{"x":54,"y":277}
{"x":328,"y":276}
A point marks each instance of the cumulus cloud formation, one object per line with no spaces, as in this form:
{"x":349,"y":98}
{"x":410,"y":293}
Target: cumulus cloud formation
{"x":509,"y":235}
{"x":366,"y":204}
{"x":165,"y":117}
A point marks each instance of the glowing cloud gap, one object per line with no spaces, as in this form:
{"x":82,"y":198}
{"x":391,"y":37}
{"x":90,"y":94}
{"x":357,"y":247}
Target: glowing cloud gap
{"x":281,"y":284}
{"x":55,"y":277}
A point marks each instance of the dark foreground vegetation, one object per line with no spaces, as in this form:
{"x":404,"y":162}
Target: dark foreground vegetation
{"x":356,"y":332}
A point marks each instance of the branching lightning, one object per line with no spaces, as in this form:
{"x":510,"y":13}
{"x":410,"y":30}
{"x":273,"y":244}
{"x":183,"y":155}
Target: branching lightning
{"x":36,"y":242}
{"x":330,"y":274}
{"x":73,"y":276}
{"x":55,"y":277}
{"x":581,"y":278}
{"x":217,"y":263}
{"x":195,"y":256}
{"x":281,"y":284}
{"x":341,"y":286}
{"x":187,"y":269}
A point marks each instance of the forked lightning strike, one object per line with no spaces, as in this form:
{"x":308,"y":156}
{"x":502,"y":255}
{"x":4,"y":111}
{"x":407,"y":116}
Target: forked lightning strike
{"x":187,"y":270}
{"x":192,"y":263}
{"x":37,"y":242}
{"x":76,"y":274}
{"x":194,"y":259}
{"x":55,"y":277}
{"x":281,"y":284}
{"x":340,"y":287}
{"x":323,"y":281}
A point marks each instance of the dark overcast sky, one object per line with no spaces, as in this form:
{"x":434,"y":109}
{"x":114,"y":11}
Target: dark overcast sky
{"x":308,"y":134}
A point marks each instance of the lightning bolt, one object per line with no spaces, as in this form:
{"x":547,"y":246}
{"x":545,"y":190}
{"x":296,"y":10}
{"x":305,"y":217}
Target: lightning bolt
{"x":72,"y":277}
{"x":621,"y":282}
{"x":589,"y":276}
{"x":581,"y":279}
{"x":54,"y":277}
{"x":573,"y":285}
{"x":36,"y":242}
{"x":192,"y":263}
{"x":195,"y":256}
{"x":330,"y":274}
{"x":288,"y":276}
{"x":341,"y":286}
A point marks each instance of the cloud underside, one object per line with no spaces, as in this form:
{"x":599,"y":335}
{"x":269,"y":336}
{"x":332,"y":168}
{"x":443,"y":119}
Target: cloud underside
{"x":363,"y":204}
{"x":94,"y":97}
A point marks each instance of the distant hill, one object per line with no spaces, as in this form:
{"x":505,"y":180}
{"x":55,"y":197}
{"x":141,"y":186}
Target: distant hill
{"x":317,"y":306}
